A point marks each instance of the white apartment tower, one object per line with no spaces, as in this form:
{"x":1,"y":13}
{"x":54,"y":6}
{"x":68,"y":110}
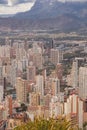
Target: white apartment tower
{"x":83,"y":82}
{"x":74,"y":106}
{"x":74,"y":74}
{"x":40,"y":84}
{"x":1,"y":93}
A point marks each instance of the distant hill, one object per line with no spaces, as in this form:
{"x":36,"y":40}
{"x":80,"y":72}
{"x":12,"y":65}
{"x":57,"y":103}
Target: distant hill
{"x":50,"y":14}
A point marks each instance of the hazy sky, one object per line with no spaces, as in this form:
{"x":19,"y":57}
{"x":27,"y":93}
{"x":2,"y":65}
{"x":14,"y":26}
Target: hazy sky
{"x":15,"y":6}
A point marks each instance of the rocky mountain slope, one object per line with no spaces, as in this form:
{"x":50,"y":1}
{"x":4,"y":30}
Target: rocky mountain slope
{"x":50,"y":14}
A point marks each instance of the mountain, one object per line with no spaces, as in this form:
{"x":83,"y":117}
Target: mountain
{"x":53,"y":8}
{"x":50,"y":15}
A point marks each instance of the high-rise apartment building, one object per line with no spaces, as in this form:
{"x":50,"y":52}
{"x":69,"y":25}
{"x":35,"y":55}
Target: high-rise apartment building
{"x":34,"y":99}
{"x":37,"y":60}
{"x":55,"y":86}
{"x":13,"y":73}
{"x":36,"y":48}
{"x":83,"y":82}
{"x":5,"y":51}
{"x":59,"y":71}
{"x":9,"y":98}
{"x":73,"y":109}
{"x":56,"y":56}
{"x":21,"y":90}
{"x":1,"y":71}
{"x":40,"y":84}
{"x":55,"y":108}
{"x":1,"y":93}
{"x":74,"y":74}
{"x":24,"y":62}
{"x":31,"y":73}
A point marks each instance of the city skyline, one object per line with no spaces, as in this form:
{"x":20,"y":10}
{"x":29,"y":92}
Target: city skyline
{"x":43,"y":64}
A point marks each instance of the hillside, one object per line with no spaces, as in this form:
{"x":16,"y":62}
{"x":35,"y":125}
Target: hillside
{"x":50,"y":15}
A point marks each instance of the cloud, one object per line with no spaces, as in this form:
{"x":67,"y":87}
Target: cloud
{"x":22,"y":7}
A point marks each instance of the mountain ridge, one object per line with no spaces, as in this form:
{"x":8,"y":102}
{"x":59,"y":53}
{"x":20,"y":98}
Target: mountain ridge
{"x":48,"y":15}
{"x":48,"y":9}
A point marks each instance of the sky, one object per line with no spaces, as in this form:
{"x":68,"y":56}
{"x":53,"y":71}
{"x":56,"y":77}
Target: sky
{"x":15,"y":6}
